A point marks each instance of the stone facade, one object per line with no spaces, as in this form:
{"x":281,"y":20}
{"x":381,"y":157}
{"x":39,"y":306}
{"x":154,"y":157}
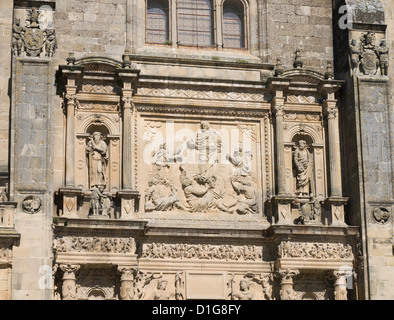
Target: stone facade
{"x":140,"y":171}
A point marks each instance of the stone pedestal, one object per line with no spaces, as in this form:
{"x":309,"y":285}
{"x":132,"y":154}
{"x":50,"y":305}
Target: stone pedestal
{"x":128,"y":203}
{"x":69,"y":200}
{"x":282,"y":209}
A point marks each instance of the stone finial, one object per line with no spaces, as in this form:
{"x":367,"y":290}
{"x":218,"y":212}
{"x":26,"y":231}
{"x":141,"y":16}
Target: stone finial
{"x":298,"y":63}
{"x":329,"y":75}
{"x":71,"y":59}
{"x":278,"y":68}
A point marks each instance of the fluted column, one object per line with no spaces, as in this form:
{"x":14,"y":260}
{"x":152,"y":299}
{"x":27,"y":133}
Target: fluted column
{"x":71,"y":102}
{"x":69,"y":288}
{"x":334,"y":148}
{"x":280,"y":147}
{"x":128,"y":108}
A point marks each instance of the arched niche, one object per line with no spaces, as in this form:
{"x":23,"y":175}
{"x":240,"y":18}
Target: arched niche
{"x":110,"y":136}
{"x":314,"y":144}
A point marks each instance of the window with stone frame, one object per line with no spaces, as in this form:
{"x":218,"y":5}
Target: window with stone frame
{"x":233,"y":24}
{"x":195,"y":21}
{"x":157,"y":21}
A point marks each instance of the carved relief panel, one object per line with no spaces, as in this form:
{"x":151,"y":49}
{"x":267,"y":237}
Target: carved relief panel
{"x":210,"y":168}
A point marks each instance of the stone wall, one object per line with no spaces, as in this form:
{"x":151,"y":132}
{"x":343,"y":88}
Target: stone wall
{"x":6,"y":9}
{"x":302,"y":24}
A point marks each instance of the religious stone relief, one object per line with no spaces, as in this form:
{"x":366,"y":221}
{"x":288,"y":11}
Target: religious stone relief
{"x":31,"y":38}
{"x":202,"y":252}
{"x":368,"y":57}
{"x":315,"y":250}
{"x":155,"y":286}
{"x":95,"y":244}
{"x":251,"y":287}
{"x":198,"y":169}
{"x":310,"y":211}
{"x":4,"y":193}
{"x":100,"y":202}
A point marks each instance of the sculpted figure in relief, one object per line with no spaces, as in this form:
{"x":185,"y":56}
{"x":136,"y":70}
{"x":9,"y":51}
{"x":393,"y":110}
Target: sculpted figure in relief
{"x":158,"y":199}
{"x":199,"y":193}
{"x":18,"y":38}
{"x":302,"y":163}
{"x":208,"y":144}
{"x":100,"y":201}
{"x":245,"y":293}
{"x":98,"y":157}
{"x":160,"y":292}
{"x":383,"y":58}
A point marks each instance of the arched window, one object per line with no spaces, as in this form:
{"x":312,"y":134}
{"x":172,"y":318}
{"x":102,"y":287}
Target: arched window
{"x":157,"y":23}
{"x":195,"y":23}
{"x":233,"y":24}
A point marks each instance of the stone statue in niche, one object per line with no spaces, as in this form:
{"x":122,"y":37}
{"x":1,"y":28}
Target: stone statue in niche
{"x":18,"y":38}
{"x":383,"y":52}
{"x":303,"y":167}
{"x":158,"y":198}
{"x":97,"y":151}
{"x":100,"y":202}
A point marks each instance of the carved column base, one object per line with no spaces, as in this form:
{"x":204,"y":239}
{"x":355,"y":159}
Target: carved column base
{"x":282,"y":209}
{"x":336,"y":206}
{"x":128,"y":203}
{"x":69,"y":201}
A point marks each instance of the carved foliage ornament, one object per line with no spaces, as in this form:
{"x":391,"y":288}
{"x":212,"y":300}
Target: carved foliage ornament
{"x":315,"y":250}
{"x":95,"y":244}
{"x":208,"y":252}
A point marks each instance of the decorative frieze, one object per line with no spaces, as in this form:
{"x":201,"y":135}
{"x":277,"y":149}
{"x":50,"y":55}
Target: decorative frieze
{"x":202,"y":251}
{"x":315,"y":250}
{"x":200,"y":94}
{"x":95,"y":244}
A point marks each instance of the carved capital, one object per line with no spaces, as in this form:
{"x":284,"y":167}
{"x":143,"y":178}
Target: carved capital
{"x":279,"y":110}
{"x":128,"y":103}
{"x":69,"y":271}
{"x":127,"y":273}
{"x":331,"y":111}
{"x":287,"y":275}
